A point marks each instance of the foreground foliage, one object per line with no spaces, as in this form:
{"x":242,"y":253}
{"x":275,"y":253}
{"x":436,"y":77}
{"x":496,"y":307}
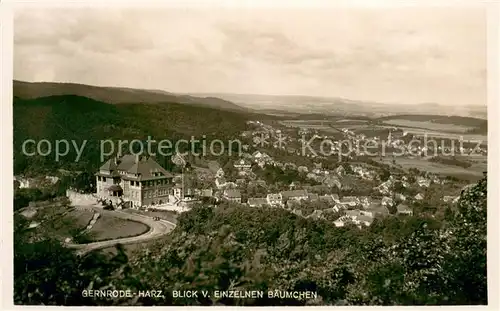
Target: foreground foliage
{"x":396,"y":261}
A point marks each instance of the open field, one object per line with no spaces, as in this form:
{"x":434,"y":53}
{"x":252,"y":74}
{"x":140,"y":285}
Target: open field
{"x":452,"y":128}
{"x":351,"y":121}
{"x":432,"y":133}
{"x":474,"y":172}
{"x":108,"y":227}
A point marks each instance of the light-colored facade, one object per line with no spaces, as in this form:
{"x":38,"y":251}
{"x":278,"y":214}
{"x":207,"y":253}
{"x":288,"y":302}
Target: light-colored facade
{"x":138,"y":180}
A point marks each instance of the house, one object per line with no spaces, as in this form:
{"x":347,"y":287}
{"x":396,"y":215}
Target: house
{"x":332,"y":181}
{"x":335,"y":197}
{"x":292,"y":185}
{"x":403,"y":209}
{"x":257,"y":155}
{"x":419,"y":196}
{"x":376,"y":209}
{"x":295,"y":195}
{"x":340,"y":206}
{"x":260,"y":182}
{"x":313,"y":197}
{"x":23,"y":182}
{"x":350,"y":201}
{"x":275,"y":199}
{"x":205,"y":193}
{"x":232,"y":195}
{"x":139,"y":180}
{"x":317,"y":171}
{"x":364,"y":200}
{"x":340,"y":170}
{"x":352,"y":213}
{"x":302,"y":169}
{"x":243,"y":166}
{"x":257,"y":202}
{"x":328,"y":199}
{"x":312,"y":176}
{"x":317,"y":214}
{"x":52,"y":179}
{"x":364,"y":219}
{"x":240,"y":181}
{"x":423,"y":182}
{"x":387,"y":201}
{"x":220,"y":173}
{"x":383,"y":188}
{"x":341,"y":221}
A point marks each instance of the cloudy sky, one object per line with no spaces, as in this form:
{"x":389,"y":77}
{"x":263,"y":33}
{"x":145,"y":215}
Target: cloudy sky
{"x":403,"y":55}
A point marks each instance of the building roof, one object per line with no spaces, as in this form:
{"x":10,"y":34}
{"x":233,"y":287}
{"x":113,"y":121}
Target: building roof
{"x":327,"y":198}
{"x":274,"y":196}
{"x":242,"y":163}
{"x":256,"y":201}
{"x":352,"y":213}
{"x":403,"y":208}
{"x":377,"y":208}
{"x":206,"y":192}
{"x":142,"y":168}
{"x":313,"y":196}
{"x":232,"y":193}
{"x":294,"y":193}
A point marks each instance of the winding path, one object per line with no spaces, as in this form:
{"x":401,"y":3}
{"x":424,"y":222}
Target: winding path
{"x":157,"y":228}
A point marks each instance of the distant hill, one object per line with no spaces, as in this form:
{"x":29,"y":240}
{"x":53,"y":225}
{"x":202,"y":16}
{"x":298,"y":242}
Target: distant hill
{"x":79,"y":118}
{"x":116,"y":95}
{"x":466,"y":121}
{"x":331,"y":106}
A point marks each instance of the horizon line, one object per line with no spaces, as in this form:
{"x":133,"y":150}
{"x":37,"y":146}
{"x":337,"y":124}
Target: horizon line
{"x":212,"y":93}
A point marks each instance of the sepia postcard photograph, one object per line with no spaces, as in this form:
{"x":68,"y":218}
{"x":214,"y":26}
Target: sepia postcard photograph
{"x":249,"y":156}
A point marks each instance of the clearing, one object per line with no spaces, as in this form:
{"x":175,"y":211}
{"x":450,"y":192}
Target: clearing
{"x":108,"y":227}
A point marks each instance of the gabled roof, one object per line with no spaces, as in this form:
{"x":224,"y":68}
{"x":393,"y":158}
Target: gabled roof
{"x":294,"y":193}
{"x":352,"y":213}
{"x":404,"y":208}
{"x":145,"y":168}
{"x":109,"y":165}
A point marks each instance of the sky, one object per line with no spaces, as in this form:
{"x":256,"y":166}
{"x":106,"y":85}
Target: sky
{"x":394,"y":55}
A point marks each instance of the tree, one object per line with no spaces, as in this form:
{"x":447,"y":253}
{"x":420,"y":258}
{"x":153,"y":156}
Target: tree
{"x":384,"y":176}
